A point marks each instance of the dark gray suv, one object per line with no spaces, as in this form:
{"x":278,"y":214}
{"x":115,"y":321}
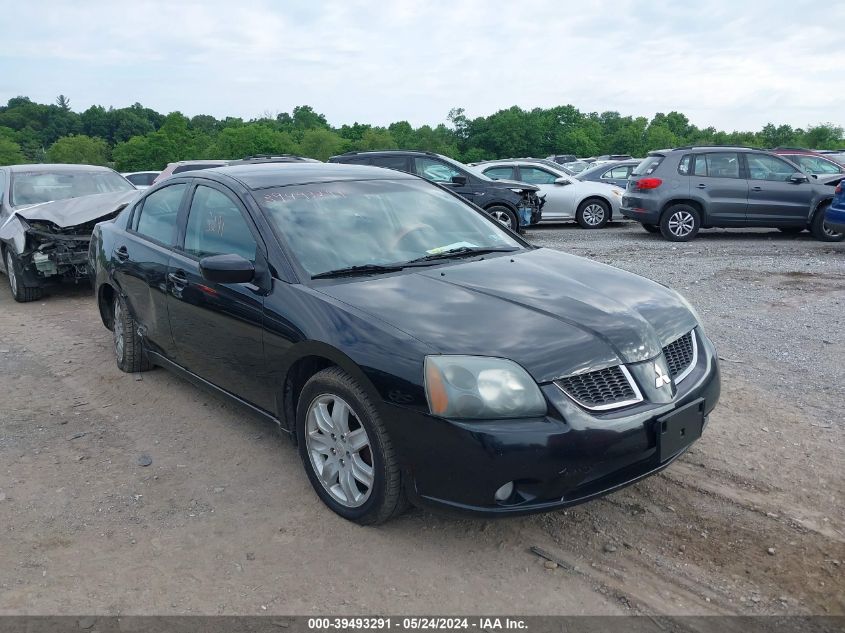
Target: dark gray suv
{"x":678,"y":191}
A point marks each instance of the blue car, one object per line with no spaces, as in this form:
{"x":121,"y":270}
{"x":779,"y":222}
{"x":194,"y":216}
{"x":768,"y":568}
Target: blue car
{"x":835,"y":215}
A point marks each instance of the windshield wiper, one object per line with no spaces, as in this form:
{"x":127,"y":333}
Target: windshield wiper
{"x":462,"y":251}
{"x":364,"y":269}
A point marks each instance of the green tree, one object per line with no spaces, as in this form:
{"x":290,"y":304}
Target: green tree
{"x":320,"y":144}
{"x":63,"y":102}
{"x":10,"y":152}
{"x":238,"y":142}
{"x":78,"y":149}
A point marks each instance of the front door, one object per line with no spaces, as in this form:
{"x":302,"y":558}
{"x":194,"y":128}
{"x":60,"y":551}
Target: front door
{"x":560,"y":198}
{"x":772,"y":197}
{"x":217,"y":328}
{"x":718,"y":181}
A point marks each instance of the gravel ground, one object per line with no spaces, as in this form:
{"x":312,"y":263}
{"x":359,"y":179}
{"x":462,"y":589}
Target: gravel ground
{"x":751,"y":520}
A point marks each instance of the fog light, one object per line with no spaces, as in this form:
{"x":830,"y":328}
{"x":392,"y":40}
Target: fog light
{"x":504,"y":493}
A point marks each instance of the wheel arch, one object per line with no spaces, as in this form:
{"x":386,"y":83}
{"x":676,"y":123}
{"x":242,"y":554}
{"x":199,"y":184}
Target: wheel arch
{"x":820,"y":205}
{"x":693,"y":203}
{"x":106,"y":294}
{"x":599,"y":198}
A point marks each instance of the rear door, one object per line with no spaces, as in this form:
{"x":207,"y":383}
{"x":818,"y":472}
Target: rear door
{"x":141,"y":255}
{"x":217,"y":328}
{"x":717,"y":179}
{"x":772,"y":197}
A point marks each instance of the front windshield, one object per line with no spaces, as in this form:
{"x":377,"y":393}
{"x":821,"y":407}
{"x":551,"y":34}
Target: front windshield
{"x":338,"y":225}
{"x":36,"y":186}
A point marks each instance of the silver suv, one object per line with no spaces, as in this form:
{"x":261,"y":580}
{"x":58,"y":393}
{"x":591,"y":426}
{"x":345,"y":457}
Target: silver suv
{"x":678,"y":191}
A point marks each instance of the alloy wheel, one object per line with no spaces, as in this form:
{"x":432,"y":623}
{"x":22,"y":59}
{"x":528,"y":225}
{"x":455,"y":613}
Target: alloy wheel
{"x":119,"y":334}
{"x":829,"y":232}
{"x":339,"y":449}
{"x":593,"y":214}
{"x":681,"y":223}
{"x":10,"y":271}
{"x":502,"y":217}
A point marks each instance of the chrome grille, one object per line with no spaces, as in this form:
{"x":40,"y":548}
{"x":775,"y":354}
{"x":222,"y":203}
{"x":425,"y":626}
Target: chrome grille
{"x":607,"y":388}
{"x":681,"y":355}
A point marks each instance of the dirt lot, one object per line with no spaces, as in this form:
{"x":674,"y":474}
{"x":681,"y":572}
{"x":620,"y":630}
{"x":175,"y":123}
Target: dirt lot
{"x":750,"y":521}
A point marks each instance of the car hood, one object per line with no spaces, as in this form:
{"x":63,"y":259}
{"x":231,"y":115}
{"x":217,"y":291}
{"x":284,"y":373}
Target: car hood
{"x":72,"y":211}
{"x":553,"y":313}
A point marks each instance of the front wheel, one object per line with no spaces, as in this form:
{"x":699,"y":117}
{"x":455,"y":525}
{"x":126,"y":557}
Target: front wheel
{"x":680,"y":223}
{"x":14,"y":272}
{"x":346,"y":451}
{"x":822,"y":231}
{"x":593,"y":214}
{"x":505,"y":216}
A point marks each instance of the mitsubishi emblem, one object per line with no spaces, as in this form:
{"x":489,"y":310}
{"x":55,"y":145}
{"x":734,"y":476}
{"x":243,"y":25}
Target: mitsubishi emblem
{"x":662,"y":378}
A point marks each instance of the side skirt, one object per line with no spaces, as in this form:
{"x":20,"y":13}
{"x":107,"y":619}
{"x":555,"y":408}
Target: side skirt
{"x":158,"y":359}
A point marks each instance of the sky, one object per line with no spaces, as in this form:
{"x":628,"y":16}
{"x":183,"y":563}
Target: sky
{"x":735,"y":65}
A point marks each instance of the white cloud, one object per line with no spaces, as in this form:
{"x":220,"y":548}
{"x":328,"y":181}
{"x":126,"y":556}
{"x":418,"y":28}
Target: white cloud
{"x":727,"y":64}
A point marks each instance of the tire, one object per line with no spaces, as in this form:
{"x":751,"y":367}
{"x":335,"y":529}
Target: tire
{"x":128,"y":348}
{"x":14,"y":273}
{"x":363,"y":484}
{"x":505,"y":216}
{"x":680,"y":223}
{"x":651,"y":228}
{"x":821,"y":231}
{"x":791,"y":230}
{"x":593,"y":214}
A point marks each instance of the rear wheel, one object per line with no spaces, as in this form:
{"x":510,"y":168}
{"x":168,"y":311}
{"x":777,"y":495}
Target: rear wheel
{"x":593,"y":214}
{"x":14,"y":272}
{"x":346,"y":451}
{"x":680,"y":223}
{"x":820,"y":229}
{"x":128,"y":349}
{"x":505,"y":216}
{"x":651,"y":228}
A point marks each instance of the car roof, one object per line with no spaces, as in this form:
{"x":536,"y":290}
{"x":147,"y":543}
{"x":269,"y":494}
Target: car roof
{"x":265,"y":175}
{"x":56,"y":167}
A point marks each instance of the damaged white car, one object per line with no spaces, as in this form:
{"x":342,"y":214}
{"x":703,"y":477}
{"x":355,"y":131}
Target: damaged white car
{"x":47,"y":214}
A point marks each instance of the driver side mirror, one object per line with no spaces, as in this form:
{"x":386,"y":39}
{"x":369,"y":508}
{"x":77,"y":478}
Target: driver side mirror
{"x":798,"y":178}
{"x":227,"y":269}
{"x":563,"y":181}
{"x":459,"y":180}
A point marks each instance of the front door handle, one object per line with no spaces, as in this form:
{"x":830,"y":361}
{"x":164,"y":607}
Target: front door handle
{"x":122,"y":253}
{"x":756,"y":189}
{"x":178,"y":278}
{"x":701,"y":186}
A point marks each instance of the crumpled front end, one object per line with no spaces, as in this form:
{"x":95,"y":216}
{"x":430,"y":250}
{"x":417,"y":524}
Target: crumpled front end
{"x":48,"y":252}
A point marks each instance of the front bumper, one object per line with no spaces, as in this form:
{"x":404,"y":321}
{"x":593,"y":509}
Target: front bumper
{"x":835,"y":218}
{"x":565,"y":458}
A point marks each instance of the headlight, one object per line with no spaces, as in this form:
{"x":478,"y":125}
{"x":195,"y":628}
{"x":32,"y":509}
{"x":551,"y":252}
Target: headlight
{"x":516,"y":189}
{"x":477,"y":387}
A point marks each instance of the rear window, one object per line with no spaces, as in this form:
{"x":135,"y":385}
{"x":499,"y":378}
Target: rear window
{"x":647,"y":166}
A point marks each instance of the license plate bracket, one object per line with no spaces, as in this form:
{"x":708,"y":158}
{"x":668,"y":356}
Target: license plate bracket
{"x":679,"y":429}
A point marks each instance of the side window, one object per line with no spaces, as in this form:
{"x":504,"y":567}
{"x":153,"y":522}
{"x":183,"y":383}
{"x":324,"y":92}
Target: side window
{"x":617,"y":172}
{"x":536,"y":176}
{"x":499,"y":173}
{"x":764,"y":167}
{"x":399,"y":163}
{"x":433,"y":169}
{"x":684,"y":165}
{"x":216,"y":226}
{"x":717,"y":165}
{"x":815,"y":165}
{"x":156,"y":218}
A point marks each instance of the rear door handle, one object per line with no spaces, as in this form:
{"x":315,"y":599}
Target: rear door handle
{"x":701,"y":186}
{"x":122,"y":253}
{"x":756,"y":189}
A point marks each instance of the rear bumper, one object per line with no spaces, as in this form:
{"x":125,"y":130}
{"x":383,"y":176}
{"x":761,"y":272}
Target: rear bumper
{"x":640,"y":209}
{"x":567,"y":457}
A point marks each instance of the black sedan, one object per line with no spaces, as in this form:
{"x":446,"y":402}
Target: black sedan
{"x":413,"y":348}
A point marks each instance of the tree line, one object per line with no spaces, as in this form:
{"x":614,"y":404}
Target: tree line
{"x":137,"y":138}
